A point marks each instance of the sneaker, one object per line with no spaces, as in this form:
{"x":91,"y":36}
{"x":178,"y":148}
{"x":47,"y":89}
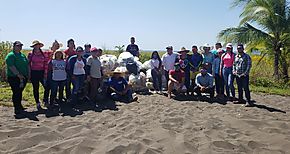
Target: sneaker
{"x":249,"y":104}
{"x":38,"y":106}
{"x":134,"y":99}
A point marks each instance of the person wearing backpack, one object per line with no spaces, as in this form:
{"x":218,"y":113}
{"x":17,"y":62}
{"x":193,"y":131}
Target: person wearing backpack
{"x":38,"y":67}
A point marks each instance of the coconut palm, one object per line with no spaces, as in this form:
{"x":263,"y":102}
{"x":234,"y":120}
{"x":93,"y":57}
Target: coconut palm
{"x":264,"y":23}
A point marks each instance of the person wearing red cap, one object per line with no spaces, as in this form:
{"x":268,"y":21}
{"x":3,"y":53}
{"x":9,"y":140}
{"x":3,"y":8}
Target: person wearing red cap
{"x":94,"y":73}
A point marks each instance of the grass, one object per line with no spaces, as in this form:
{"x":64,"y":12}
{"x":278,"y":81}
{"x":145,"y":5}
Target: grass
{"x":261,"y":80}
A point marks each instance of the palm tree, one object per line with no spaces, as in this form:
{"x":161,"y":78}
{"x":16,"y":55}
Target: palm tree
{"x":264,"y":23}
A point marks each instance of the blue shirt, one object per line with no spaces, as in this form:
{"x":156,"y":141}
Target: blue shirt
{"x":216,"y":65}
{"x":196,"y":59}
{"x":206,"y":81}
{"x":118,"y":84}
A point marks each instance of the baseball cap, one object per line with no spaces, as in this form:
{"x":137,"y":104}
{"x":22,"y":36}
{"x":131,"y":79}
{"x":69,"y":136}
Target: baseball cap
{"x":17,"y":43}
{"x":229,"y":45}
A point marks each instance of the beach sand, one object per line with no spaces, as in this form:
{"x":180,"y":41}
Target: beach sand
{"x":154,"y":125}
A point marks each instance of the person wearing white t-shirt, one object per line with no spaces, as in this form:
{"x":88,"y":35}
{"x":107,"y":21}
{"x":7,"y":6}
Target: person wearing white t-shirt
{"x":156,"y":71}
{"x":77,"y":71}
{"x":168,"y":61}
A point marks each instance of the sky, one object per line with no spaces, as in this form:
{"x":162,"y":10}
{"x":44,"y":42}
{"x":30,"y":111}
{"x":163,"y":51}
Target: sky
{"x":107,"y":23}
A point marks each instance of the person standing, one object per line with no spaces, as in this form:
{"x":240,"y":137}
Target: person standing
{"x":208,"y":58}
{"x":70,"y":51}
{"x":133,"y":48}
{"x":241,"y":69}
{"x":87,"y":51}
{"x":57,"y":71}
{"x":184,"y":62}
{"x":38,"y":65}
{"x":156,"y":71}
{"x":77,"y":72}
{"x":196,"y":61}
{"x":94,"y":71}
{"x":17,"y":72}
{"x":168,"y":61}
{"x":219,"y":81}
{"x":226,"y":70}
{"x":217,"y":47}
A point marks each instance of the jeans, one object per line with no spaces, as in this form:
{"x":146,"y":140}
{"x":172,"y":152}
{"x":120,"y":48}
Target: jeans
{"x":68,"y":87}
{"x":219,"y":84}
{"x":243,"y":84}
{"x":166,"y":74}
{"x":78,"y":83}
{"x":14,"y":83}
{"x":229,"y":80}
{"x":197,"y":89}
{"x":127,"y":97}
{"x":187,"y":80}
{"x":57,"y":86}
{"x":157,"y":79}
{"x":36,"y":78}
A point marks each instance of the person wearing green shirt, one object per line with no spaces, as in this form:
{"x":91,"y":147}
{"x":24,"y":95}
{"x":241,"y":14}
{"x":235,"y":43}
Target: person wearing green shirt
{"x":18,"y":74}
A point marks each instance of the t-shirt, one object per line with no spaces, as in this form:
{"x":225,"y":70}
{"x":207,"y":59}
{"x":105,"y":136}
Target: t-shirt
{"x":154,"y":63}
{"x":168,"y":61}
{"x":69,"y":53}
{"x":18,"y":60}
{"x":208,"y":58}
{"x":133,"y":49}
{"x":79,"y":68}
{"x":228,"y":59}
{"x":118,"y":84}
{"x":177,"y":75}
{"x":96,"y":65}
{"x":86,"y":54}
{"x":58,"y":70}
{"x":37,"y":62}
{"x":184,"y":63}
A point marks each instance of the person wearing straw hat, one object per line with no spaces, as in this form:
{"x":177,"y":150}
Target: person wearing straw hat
{"x":185,"y":65}
{"x":204,"y":83}
{"x":208,"y":57}
{"x":119,"y":89}
{"x":176,"y":80}
{"x":17,"y":74}
{"x":38,"y":67}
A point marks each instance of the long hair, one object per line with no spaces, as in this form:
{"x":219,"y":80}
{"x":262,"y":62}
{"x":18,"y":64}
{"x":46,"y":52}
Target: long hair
{"x":62,"y":55}
{"x":158,"y":57}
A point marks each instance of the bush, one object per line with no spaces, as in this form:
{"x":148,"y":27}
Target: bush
{"x":5,"y":48}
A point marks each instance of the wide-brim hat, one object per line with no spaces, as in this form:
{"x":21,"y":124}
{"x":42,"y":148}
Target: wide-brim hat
{"x":117,"y":71}
{"x":183,"y":49}
{"x":206,"y":45}
{"x":36,"y":42}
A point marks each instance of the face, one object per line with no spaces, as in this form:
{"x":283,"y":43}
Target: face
{"x":155,"y":55}
{"x":87,"y":48}
{"x":217,"y":46}
{"x":58,"y":55}
{"x":117,"y":75}
{"x":55,"y":46}
{"x":17,"y":48}
{"x":71,"y":44}
{"x":170,"y":51}
{"x":37,"y":46}
{"x":206,"y":49}
{"x":132,"y":40}
{"x":183,"y":54}
{"x":80,"y":53}
{"x":97,"y":54}
{"x":229,"y":49}
{"x":194,"y":50}
{"x":240,"y":49}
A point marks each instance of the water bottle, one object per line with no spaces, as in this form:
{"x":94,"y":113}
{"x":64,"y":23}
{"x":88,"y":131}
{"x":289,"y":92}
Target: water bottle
{"x":21,"y":85}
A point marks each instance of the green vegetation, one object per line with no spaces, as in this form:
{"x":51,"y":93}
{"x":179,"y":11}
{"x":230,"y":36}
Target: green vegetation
{"x":264,"y":26}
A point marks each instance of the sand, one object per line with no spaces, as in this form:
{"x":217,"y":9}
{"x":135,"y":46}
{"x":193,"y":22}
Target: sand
{"x":154,"y":125}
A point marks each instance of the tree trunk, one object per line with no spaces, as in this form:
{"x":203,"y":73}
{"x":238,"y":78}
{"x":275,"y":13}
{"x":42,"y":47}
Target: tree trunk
{"x":285,"y":67}
{"x":276,"y":63}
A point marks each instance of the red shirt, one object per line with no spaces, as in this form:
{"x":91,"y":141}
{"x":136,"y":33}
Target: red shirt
{"x":177,"y":75}
{"x":40,"y":61}
{"x":69,"y":53}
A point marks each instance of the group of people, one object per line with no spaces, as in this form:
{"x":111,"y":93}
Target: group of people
{"x":207,"y":72}
{"x":81,"y":67}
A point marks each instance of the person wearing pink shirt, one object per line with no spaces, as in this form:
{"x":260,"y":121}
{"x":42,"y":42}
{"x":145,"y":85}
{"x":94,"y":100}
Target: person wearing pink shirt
{"x":226,"y":70}
{"x":38,"y":66}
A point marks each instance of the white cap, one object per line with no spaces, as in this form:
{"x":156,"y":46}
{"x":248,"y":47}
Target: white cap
{"x":229,"y":45}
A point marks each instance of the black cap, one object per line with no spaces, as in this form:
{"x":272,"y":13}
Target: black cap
{"x":17,"y":43}
{"x":240,"y":46}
